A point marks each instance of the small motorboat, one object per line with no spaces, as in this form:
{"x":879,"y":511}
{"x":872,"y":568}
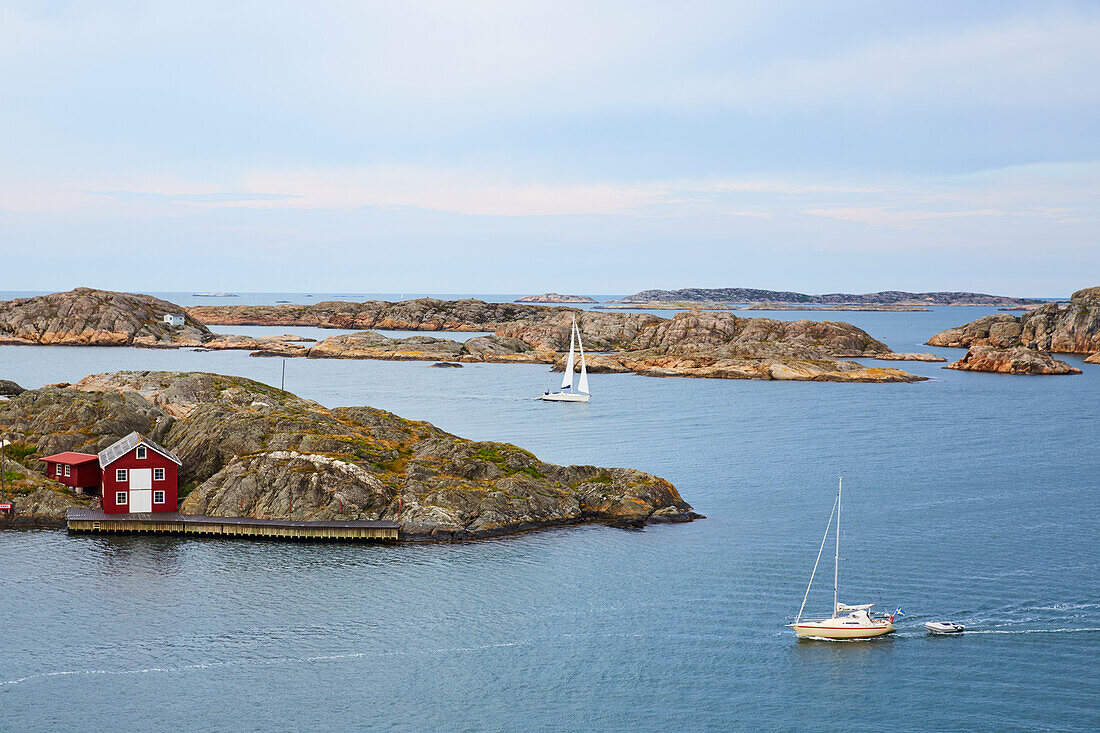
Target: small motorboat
{"x":944,"y":627}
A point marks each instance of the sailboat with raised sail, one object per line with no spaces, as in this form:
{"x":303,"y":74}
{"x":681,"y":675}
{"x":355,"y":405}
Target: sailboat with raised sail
{"x":567,"y":393}
{"x":847,"y":622}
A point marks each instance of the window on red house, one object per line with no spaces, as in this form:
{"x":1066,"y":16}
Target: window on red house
{"x":120,"y":474}
{"x":66,"y":470}
{"x":58,"y":469}
{"x":158,"y":497}
{"x":120,"y":497}
{"x":141,"y":451}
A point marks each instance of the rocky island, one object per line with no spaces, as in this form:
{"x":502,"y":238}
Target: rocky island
{"x":692,"y":343}
{"x":1014,"y":360}
{"x":872,"y":301}
{"x":675,"y":305}
{"x":1011,"y":344}
{"x":255,"y":451}
{"x":89,"y":317}
{"x":556,"y":298}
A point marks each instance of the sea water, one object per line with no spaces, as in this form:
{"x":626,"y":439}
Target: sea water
{"x":970,"y":497}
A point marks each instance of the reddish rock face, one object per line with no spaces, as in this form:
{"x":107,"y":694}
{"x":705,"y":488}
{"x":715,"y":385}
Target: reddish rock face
{"x":1017,"y":360}
{"x":1063,"y":328}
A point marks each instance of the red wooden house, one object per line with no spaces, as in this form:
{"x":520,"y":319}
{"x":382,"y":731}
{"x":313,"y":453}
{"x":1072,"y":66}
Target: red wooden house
{"x":138,"y":476}
{"x":78,"y":470}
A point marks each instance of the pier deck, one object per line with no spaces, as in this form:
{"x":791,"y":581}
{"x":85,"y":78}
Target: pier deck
{"x":95,"y":521}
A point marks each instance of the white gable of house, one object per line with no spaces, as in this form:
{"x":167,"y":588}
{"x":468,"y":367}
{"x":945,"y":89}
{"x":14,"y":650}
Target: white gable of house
{"x":113,"y":452}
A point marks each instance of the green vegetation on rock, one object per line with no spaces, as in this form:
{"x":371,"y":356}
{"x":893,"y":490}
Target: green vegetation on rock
{"x":251,"y":450}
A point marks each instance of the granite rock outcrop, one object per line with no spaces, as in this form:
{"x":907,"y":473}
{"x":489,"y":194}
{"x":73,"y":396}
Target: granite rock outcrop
{"x":252,"y":450}
{"x":555,"y":298}
{"x":1011,"y":360}
{"x":897,"y":356}
{"x":420,"y":314}
{"x":9,"y":388}
{"x":885,"y":297}
{"x":1058,"y":327}
{"x":708,"y":344}
{"x":89,"y":317}
{"x":698,"y":343}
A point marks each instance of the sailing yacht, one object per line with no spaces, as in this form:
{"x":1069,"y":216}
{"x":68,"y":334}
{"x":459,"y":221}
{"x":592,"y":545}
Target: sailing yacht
{"x":567,"y":394}
{"x":847,"y":622}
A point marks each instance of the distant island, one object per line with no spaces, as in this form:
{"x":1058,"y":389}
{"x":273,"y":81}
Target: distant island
{"x":885,"y":297}
{"x":1022,"y":344}
{"x":674,"y":305}
{"x":216,"y":295}
{"x":556,"y":298}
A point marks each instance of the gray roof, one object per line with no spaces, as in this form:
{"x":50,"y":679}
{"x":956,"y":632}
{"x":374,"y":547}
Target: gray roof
{"x":112,"y":453}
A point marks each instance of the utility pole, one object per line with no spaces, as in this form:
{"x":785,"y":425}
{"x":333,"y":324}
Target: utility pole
{"x":3,"y":449}
{"x":282,"y":381}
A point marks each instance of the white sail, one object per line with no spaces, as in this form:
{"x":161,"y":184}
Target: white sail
{"x":582,"y":386}
{"x":567,"y":380}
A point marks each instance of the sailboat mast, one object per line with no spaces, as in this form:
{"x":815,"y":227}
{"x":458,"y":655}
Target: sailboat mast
{"x":836,"y":566}
{"x":567,"y":378}
{"x":582,"y":385}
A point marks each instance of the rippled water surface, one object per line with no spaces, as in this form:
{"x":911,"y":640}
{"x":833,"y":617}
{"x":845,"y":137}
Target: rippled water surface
{"x":971,"y":497}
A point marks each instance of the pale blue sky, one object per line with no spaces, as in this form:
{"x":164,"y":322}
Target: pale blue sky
{"x":574,"y":146}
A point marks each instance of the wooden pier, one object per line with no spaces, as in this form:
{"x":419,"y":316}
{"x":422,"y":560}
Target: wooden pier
{"x":95,"y":521}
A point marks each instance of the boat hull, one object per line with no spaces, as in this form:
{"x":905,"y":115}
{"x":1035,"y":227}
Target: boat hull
{"x":832,"y":631}
{"x":564,"y":397}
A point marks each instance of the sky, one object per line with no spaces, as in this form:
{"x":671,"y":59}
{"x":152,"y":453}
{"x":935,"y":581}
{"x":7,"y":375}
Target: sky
{"x":582,"y":147}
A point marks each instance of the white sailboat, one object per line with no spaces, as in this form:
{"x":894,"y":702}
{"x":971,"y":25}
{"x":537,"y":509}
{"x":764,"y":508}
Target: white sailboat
{"x":847,"y":622}
{"x":567,"y":393}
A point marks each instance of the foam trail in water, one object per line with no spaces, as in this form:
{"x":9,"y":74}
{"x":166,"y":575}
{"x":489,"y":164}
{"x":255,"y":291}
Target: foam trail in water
{"x":295,"y":660}
{"x":1032,"y":631}
{"x":971,"y":632}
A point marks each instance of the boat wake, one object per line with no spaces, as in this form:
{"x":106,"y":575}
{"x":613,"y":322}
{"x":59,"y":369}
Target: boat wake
{"x":922,"y":634}
{"x":1032,"y":631}
{"x":275,"y":661}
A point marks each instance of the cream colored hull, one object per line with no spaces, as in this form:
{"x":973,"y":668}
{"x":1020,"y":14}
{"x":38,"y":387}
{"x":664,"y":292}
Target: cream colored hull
{"x":832,"y":629}
{"x":564,"y":397}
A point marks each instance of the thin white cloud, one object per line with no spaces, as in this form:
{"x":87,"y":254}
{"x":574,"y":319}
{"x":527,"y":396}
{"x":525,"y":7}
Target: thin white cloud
{"x":1056,"y":194}
{"x":472,"y":192}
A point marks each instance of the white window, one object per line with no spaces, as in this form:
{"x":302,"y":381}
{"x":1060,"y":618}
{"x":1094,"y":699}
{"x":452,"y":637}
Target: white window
{"x":141,"y":451}
{"x":158,"y":474}
{"x":120,"y":497}
{"x":120,"y":474}
{"x":66,"y":470}
{"x":58,"y":469}
{"x":158,"y":497}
